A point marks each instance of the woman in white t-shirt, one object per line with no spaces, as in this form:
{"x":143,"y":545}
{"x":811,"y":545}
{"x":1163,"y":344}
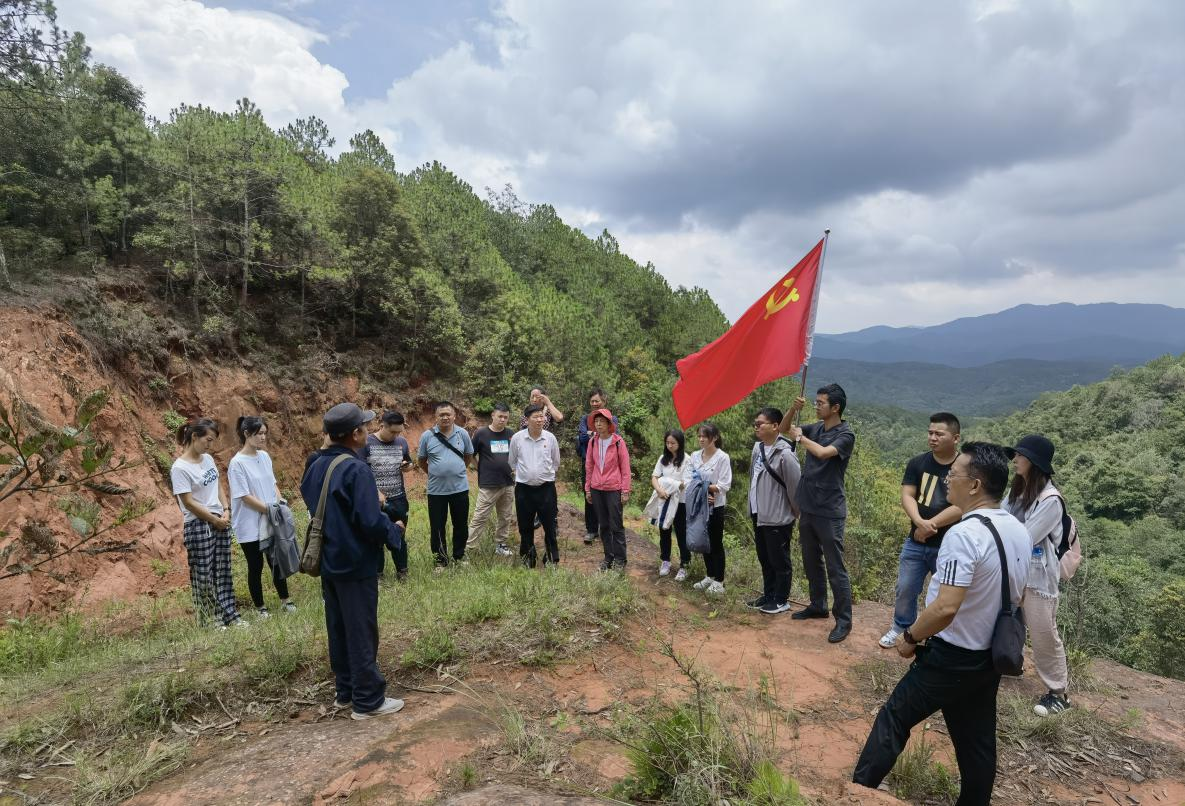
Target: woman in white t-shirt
{"x":253,"y":490}
{"x":715,"y":467}
{"x":670,"y":466}
{"x":207,"y":529}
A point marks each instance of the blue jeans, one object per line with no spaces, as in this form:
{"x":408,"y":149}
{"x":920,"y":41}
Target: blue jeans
{"x":917,"y":559}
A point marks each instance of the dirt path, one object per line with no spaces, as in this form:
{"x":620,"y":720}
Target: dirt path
{"x":442,"y":744}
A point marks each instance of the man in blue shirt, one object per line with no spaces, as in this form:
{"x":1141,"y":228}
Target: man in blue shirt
{"x":445,"y":452}
{"x":355,"y":532}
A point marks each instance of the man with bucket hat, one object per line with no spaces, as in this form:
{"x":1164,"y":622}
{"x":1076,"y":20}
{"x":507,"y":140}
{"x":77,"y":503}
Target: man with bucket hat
{"x":355,"y":533}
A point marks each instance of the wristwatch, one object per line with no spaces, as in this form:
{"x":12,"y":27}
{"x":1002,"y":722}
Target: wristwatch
{"x":908,"y":636}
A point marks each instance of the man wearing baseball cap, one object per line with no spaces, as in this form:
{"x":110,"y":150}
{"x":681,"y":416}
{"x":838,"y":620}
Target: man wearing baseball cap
{"x":355,"y":534}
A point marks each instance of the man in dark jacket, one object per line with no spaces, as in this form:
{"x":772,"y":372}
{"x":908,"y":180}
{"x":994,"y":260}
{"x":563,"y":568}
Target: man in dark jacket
{"x":355,"y":533}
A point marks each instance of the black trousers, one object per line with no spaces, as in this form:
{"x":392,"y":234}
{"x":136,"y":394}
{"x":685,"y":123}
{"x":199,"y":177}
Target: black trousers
{"x":773,"y":553}
{"x":714,"y":559}
{"x":822,"y":561}
{"x":256,"y":559}
{"x":610,"y":525}
{"x":962,"y":684}
{"x":440,"y":509}
{"x":398,"y":509}
{"x":679,"y":527}
{"x":352,"y":623}
{"x":536,"y":502}
{"x":590,"y":512}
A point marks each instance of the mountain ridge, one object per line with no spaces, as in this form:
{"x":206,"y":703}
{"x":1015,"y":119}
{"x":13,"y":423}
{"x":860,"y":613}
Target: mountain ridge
{"x":1126,"y":334}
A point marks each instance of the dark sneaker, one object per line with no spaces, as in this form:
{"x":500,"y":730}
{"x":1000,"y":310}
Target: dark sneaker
{"x":839,"y":633}
{"x":773,"y":608}
{"x":758,"y":603}
{"x":401,"y":576}
{"x":1051,"y":704}
{"x":809,"y":612}
{"x":589,"y":537}
{"x":619,"y":565}
{"x":605,"y":565}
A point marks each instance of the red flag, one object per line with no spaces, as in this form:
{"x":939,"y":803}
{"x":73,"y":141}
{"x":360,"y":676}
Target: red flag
{"x":769,"y":342}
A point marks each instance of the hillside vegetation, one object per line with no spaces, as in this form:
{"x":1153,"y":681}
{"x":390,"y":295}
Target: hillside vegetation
{"x":251,"y":241}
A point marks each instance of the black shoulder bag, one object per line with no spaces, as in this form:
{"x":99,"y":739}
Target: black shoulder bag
{"x":769,"y":469}
{"x":1008,"y":636}
{"x":445,"y":442}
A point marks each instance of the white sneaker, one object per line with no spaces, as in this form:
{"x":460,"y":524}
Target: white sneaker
{"x":503,"y":550}
{"x":889,"y":639}
{"x":664,"y":569}
{"x":262,"y":612}
{"x":703,"y":583}
{"x":390,"y":706}
{"x":716,"y":588}
{"x":681,"y":575}
{"x":240,"y":623}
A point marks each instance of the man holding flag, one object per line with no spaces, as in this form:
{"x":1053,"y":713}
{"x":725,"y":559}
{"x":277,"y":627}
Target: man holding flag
{"x":824,"y":511}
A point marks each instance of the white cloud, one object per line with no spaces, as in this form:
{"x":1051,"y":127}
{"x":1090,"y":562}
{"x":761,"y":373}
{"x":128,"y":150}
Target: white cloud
{"x":181,"y":51}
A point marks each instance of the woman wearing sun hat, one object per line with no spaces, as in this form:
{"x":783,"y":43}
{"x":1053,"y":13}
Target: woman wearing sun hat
{"x":1036,"y":502}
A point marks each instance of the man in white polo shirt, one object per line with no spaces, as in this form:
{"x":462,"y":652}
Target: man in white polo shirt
{"x":535,"y":458}
{"x":953,"y":670}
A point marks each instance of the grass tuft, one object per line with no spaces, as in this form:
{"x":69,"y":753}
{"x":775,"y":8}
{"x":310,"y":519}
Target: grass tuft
{"x":918,"y":777}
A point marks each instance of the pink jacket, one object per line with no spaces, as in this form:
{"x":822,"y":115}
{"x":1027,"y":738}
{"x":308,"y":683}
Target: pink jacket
{"x":616,"y":473}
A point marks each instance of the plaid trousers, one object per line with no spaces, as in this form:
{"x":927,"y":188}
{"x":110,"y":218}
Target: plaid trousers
{"x":208,"y":550}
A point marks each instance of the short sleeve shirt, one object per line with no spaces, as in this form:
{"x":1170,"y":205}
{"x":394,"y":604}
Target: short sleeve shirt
{"x":493,"y":457}
{"x":969,"y":559}
{"x":821,"y":488}
{"x":386,"y":462}
{"x":249,"y":475}
{"x":446,"y":470}
{"x":200,"y":480}
{"x":925,"y":474}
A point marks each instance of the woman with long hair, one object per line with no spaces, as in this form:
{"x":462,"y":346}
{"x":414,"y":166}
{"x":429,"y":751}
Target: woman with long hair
{"x":715,"y":468}
{"x":207,"y":528}
{"x":1035,"y":501}
{"x":253,"y":490}
{"x":670,"y":466}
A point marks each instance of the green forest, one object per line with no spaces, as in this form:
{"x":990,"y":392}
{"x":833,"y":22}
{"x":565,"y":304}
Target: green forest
{"x":212,"y":234}
{"x":257,"y":241}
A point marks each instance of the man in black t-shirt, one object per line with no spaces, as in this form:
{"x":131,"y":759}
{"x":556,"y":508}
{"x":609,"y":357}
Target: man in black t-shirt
{"x":823,"y":506}
{"x":495,"y":479}
{"x":923,"y":497}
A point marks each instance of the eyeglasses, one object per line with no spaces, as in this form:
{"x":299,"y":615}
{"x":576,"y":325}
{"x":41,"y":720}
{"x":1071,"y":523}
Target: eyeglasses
{"x":949,"y":476}
{"x":759,"y":423}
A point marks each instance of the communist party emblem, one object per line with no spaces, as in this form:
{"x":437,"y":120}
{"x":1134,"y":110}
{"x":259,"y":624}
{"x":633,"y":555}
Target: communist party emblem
{"x":774,"y":303}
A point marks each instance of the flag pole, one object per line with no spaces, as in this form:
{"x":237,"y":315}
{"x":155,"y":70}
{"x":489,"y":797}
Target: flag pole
{"x":810,"y":336}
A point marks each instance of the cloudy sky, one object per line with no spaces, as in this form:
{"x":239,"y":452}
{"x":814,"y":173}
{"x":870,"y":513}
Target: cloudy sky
{"x":967,"y":156}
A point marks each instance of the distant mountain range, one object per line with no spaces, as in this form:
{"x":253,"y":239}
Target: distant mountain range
{"x":997,"y":363}
{"x":1104,"y":333}
{"x":994,"y":389}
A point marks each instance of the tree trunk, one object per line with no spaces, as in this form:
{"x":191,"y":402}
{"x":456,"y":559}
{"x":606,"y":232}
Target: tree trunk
{"x":197,"y":265}
{"x":5,"y":280}
{"x":246,"y":248}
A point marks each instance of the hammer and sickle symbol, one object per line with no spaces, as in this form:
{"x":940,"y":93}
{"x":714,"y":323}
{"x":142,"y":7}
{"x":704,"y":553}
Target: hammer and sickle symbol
{"x":774,"y":303}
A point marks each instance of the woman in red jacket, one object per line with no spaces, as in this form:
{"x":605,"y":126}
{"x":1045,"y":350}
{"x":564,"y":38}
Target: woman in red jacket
{"x":607,"y":486}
